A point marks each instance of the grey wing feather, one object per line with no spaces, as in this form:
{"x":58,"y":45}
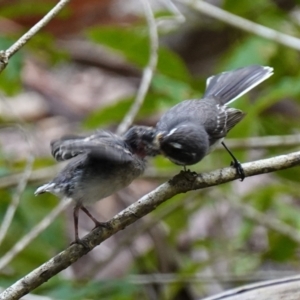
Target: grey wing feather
{"x":101,"y":145}
{"x":227,"y":118}
{"x":234,"y":117}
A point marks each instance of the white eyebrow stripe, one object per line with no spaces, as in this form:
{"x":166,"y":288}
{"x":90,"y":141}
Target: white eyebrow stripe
{"x":172,"y":131}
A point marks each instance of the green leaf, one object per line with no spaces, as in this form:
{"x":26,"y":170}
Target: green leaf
{"x":133,"y":44}
{"x":130,"y":42}
{"x":281,"y":248}
{"x":116,"y":112}
{"x":254,"y":50}
{"x":108,"y":115}
{"x":174,"y":90}
{"x":244,"y":264}
{"x":108,"y":289}
{"x":247,"y":6}
{"x":170,"y":64}
{"x":31,"y":8}
{"x":26,"y":8}
{"x":10,"y":78}
{"x":285,"y":87}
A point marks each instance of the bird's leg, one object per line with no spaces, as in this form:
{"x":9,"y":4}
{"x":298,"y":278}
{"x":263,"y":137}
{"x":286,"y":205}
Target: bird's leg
{"x":75,"y":217}
{"x":97,"y":223}
{"x":188,"y":174}
{"x":236,"y":164}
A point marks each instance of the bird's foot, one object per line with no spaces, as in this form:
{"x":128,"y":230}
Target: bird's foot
{"x":239,"y":169}
{"x":185,"y":174}
{"x":80,"y":242}
{"x":188,"y":174}
{"x":102,"y":224}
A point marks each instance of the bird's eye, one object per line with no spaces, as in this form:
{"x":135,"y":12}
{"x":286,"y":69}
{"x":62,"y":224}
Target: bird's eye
{"x":151,"y":134}
{"x":148,"y":136}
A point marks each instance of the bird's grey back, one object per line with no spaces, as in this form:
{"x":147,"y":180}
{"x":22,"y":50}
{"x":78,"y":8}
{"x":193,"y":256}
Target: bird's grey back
{"x":189,"y":111}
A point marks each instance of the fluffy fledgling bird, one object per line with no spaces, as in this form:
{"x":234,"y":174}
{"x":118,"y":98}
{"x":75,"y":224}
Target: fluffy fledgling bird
{"x":193,"y":128}
{"x":101,"y":164}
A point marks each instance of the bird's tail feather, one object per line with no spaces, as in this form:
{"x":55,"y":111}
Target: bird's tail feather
{"x":228,"y":86}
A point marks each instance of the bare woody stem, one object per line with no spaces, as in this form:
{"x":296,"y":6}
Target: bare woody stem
{"x":243,"y":24}
{"x":5,"y":55}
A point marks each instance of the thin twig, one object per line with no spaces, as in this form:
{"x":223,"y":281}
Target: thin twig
{"x":23,"y":180}
{"x":148,"y":71}
{"x":35,"y":231}
{"x":181,"y":183}
{"x":39,"y":175}
{"x":10,"y":212}
{"x":177,"y":17}
{"x":5,"y":55}
{"x":244,"y":24}
{"x":263,"y":142}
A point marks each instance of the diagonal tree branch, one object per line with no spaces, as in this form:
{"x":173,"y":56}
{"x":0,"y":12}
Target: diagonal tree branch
{"x":244,"y":24}
{"x":181,"y":183}
{"x":10,"y":212}
{"x":5,"y":55}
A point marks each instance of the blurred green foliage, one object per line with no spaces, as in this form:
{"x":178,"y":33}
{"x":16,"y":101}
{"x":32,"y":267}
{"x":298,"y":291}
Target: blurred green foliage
{"x":106,"y":289}
{"x":137,"y":50}
{"x":221,"y":235}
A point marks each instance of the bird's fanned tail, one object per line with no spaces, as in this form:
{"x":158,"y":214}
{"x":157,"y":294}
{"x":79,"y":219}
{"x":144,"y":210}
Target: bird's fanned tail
{"x":228,"y":86}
